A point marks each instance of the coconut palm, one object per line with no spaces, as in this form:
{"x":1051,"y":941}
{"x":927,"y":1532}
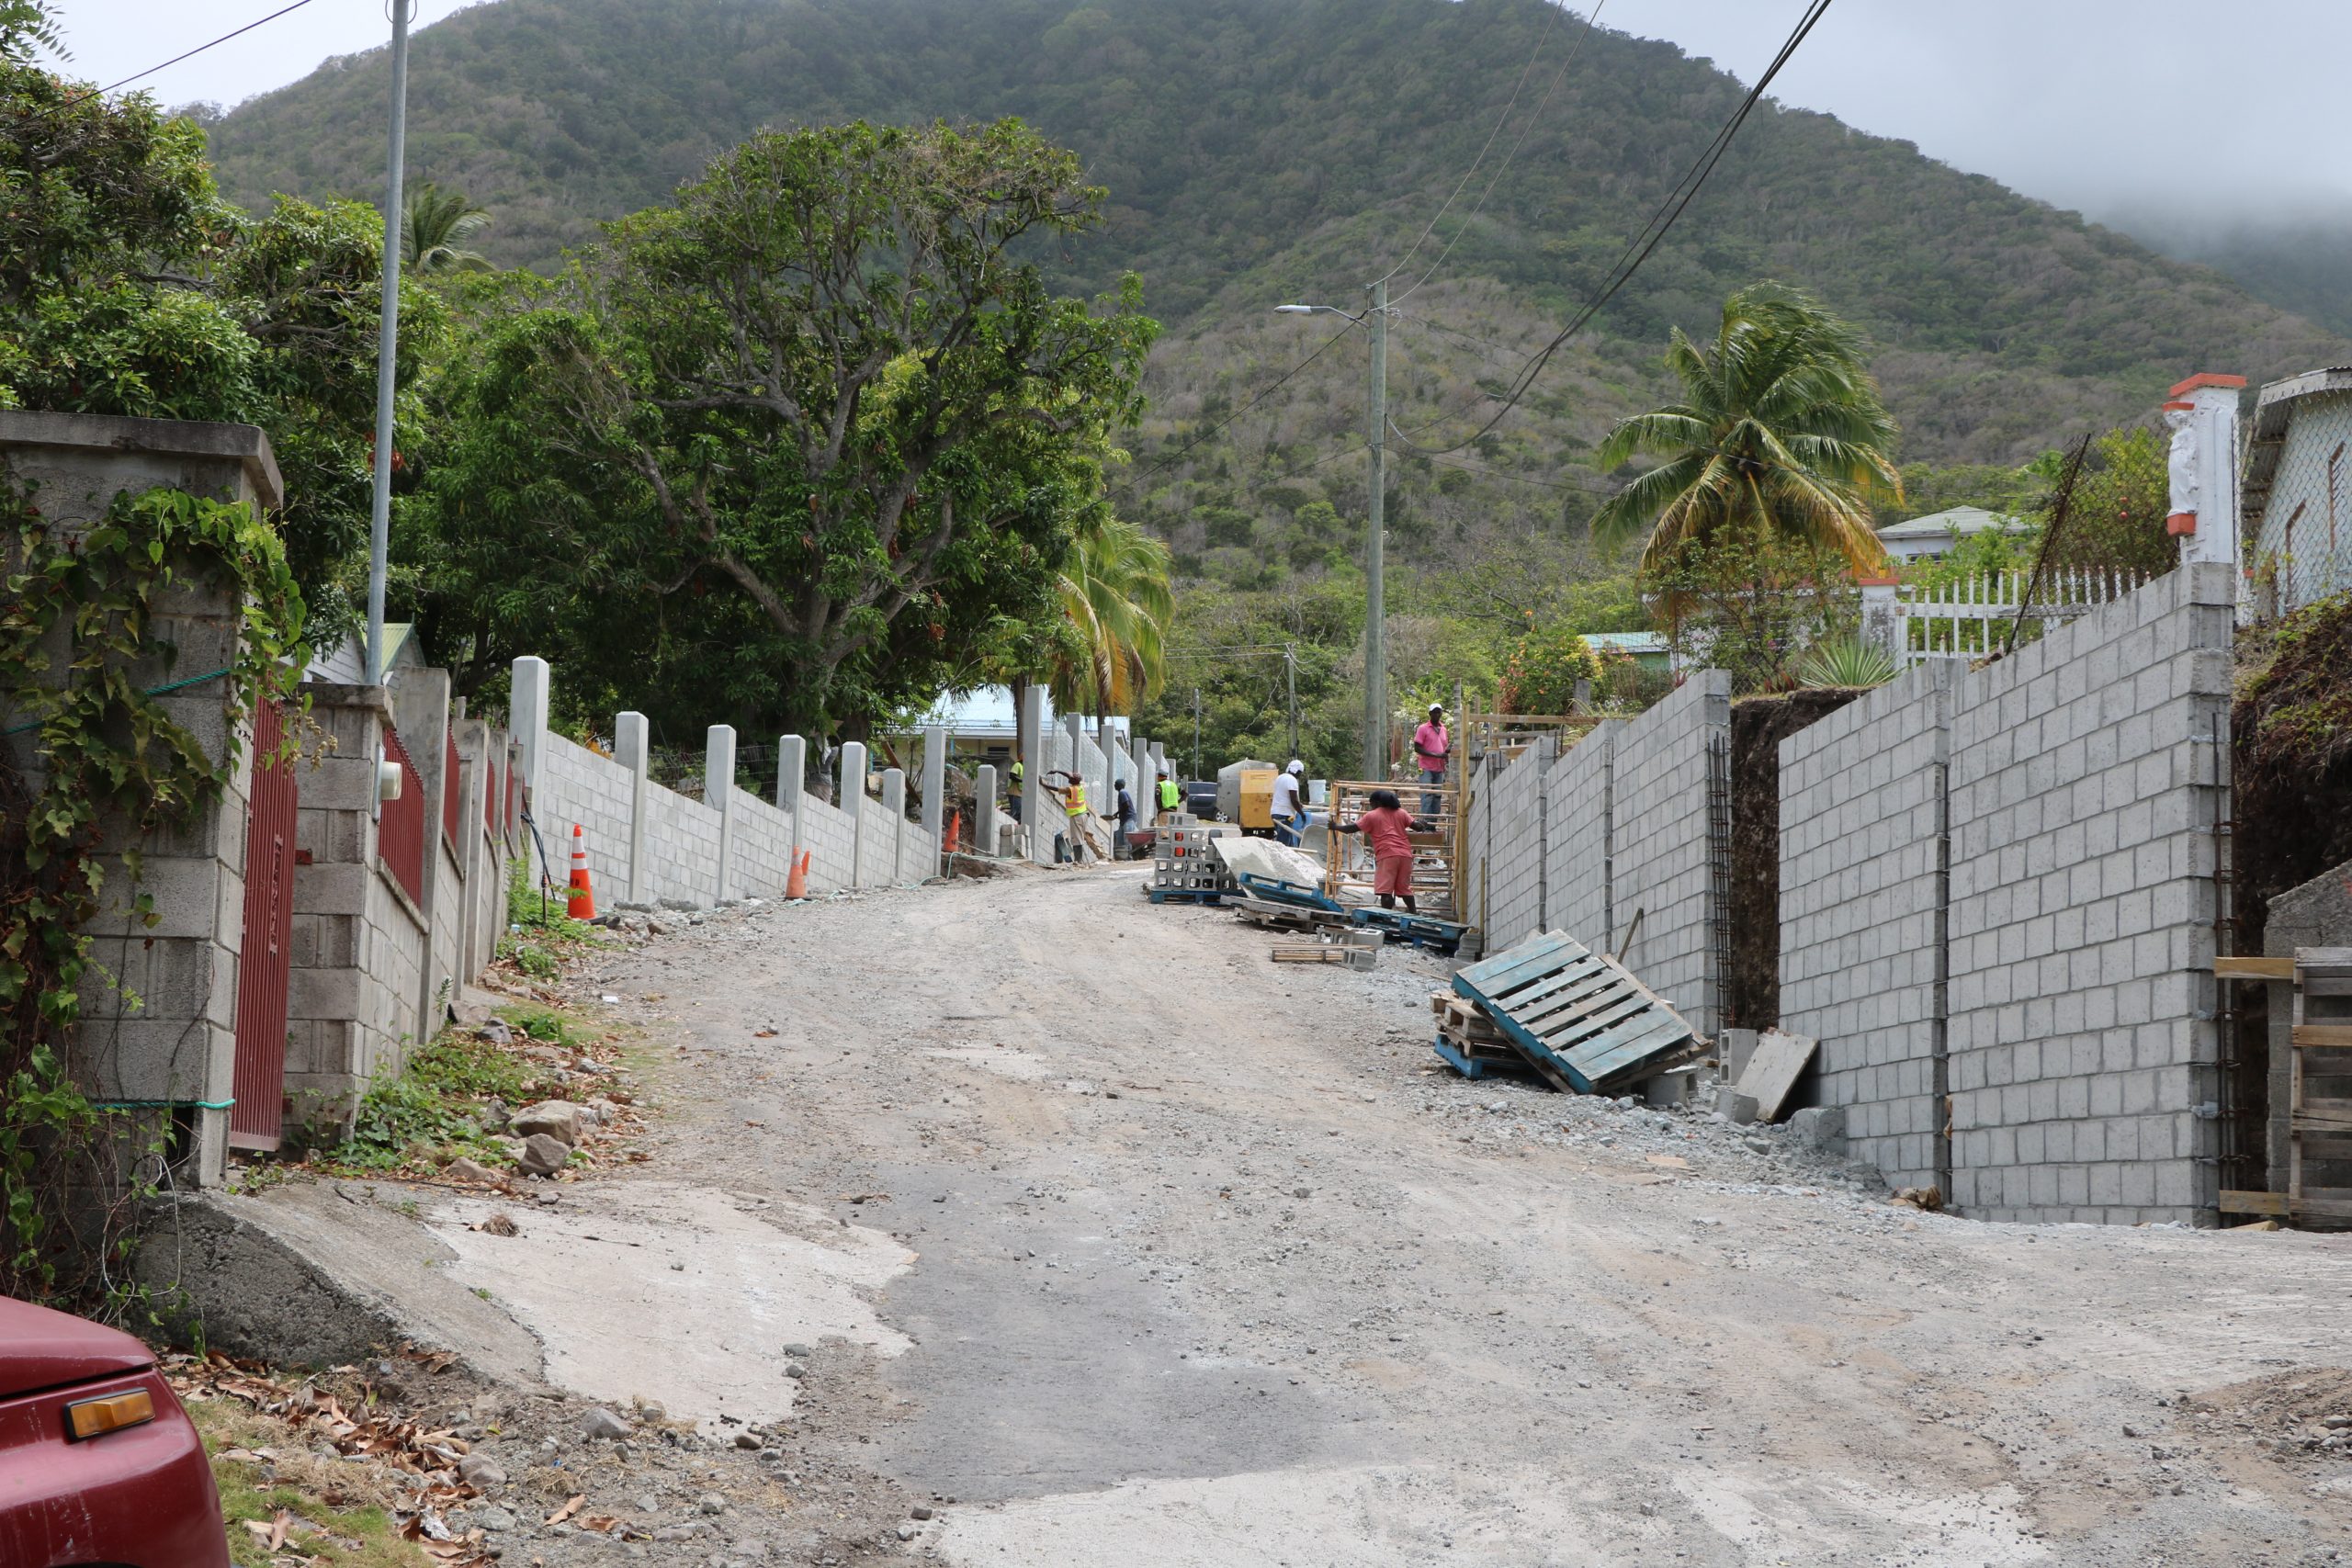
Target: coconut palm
{"x":1780,"y":425}
{"x":1114,"y":594}
{"x":433,"y":222}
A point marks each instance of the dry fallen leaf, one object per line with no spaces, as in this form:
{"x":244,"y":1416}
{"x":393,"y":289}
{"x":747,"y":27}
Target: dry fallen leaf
{"x":567,"y":1511}
{"x":763,"y":1034}
{"x":501,"y":1223}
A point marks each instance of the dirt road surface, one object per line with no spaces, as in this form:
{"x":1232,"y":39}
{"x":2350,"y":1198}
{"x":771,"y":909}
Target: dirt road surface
{"x":1148,"y":1253}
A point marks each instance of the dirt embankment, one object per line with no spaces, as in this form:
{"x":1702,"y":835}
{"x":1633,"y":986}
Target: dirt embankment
{"x":1758,"y":725}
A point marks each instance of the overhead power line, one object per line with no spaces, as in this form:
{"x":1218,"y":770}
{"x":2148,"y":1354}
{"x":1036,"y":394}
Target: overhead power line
{"x":1652,"y":234}
{"x":190,"y":54}
{"x":1591,"y":19}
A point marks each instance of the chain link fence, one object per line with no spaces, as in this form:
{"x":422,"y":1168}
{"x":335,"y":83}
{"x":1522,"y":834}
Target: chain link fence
{"x":2301,"y":551}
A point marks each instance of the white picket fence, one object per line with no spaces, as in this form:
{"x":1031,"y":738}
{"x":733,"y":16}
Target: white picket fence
{"x":1969,"y":617}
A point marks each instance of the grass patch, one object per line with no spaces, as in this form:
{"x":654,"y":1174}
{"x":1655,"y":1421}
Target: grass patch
{"x":339,"y":1513}
{"x":539,"y":936}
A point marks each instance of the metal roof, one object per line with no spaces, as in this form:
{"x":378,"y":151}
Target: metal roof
{"x":2273,"y":412}
{"x":1958,"y":521}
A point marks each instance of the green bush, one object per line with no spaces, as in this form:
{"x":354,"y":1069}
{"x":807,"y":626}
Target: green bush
{"x":1540,"y":675}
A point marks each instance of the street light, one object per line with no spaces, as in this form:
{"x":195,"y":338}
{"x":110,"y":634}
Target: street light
{"x":1376,"y":639}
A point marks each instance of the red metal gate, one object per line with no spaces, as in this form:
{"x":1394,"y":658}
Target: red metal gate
{"x":263,"y":967}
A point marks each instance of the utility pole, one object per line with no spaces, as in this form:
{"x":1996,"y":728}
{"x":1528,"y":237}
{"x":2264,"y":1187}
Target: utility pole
{"x":1290,"y":682}
{"x":1375,"y":634}
{"x":1196,"y":732}
{"x":388,"y":337}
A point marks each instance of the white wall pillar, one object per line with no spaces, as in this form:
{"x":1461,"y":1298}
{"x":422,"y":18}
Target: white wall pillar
{"x":633,"y":750}
{"x":894,"y":819}
{"x":849,"y":794}
{"x":1033,"y":771}
{"x":984,"y":830}
{"x":528,"y":705}
{"x":1882,"y":617}
{"x":934,"y":784}
{"x":2205,"y":519}
{"x":791,"y":767}
{"x":719,"y":793}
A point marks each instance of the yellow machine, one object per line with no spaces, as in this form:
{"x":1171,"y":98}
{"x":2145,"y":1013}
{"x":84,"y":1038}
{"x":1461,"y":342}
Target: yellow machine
{"x":1257,"y":815}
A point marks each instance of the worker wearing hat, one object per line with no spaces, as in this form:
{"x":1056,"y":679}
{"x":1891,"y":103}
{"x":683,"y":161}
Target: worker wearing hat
{"x":1290,"y":803}
{"x":1431,"y":745}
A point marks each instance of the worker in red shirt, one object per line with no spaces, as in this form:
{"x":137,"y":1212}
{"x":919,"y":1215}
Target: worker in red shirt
{"x":1430,"y":746}
{"x":1384,"y":824}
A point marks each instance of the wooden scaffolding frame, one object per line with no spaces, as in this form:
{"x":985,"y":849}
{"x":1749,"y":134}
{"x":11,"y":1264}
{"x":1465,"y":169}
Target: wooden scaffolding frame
{"x":1347,"y":869}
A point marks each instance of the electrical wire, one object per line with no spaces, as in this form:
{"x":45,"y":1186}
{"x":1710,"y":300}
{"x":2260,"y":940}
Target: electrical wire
{"x":1591,"y":20}
{"x":1470,"y":173}
{"x":1653,"y":233}
{"x":199,"y":48}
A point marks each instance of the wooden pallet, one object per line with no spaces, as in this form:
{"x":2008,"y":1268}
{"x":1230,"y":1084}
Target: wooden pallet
{"x":1476,"y":1061}
{"x":1441,"y":937}
{"x":1280,"y":917}
{"x":2318,"y":1129}
{"x":1581,"y":1019}
{"x":1184,"y":895}
{"x":1299,"y":894}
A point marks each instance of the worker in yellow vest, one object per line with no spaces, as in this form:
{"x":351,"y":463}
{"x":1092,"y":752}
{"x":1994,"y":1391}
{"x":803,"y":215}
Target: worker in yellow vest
{"x":1172,"y":795}
{"x":1071,"y":792}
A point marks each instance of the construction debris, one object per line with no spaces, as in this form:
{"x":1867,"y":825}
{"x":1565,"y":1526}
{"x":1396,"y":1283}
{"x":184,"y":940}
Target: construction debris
{"x":1773,"y":1071}
{"x":1580,"y":1020}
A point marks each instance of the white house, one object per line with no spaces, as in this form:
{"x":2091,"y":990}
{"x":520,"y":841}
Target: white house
{"x":2294,"y":508}
{"x":1936,"y":534}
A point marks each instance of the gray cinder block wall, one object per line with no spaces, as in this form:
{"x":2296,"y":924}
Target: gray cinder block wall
{"x":1664,"y":865}
{"x":2084,"y":785}
{"x":2081,"y":780}
{"x":1621,"y":822}
{"x":1862,"y":824}
{"x":173,"y":1054}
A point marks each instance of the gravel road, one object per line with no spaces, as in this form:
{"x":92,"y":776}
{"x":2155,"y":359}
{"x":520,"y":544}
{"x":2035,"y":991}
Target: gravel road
{"x":1201,"y":1260}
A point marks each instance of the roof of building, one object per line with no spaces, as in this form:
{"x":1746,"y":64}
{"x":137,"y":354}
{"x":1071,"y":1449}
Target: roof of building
{"x":1957,"y":521}
{"x":345,"y":663}
{"x":1628,"y":642}
{"x":2273,"y":412}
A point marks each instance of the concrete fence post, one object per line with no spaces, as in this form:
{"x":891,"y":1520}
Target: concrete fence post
{"x":1033,"y":773}
{"x":1881,"y":622}
{"x":791,"y":768}
{"x":529,"y":703}
{"x":719,"y":793}
{"x":850,"y":795}
{"x":984,"y":830}
{"x":420,"y":714}
{"x":894,"y":816}
{"x":934,"y":784}
{"x":632,"y":749}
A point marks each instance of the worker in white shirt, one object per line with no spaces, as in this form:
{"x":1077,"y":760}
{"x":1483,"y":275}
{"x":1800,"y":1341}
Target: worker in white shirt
{"x":1290,"y":804}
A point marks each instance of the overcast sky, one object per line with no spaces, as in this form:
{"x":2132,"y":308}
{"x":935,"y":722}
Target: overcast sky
{"x":2205,"y":106}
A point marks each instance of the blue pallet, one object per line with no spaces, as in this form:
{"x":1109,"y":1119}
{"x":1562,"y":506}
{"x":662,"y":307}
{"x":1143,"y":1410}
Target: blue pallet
{"x":1273,"y":890}
{"x":1471,"y":1066}
{"x":1441,"y":937}
{"x":1581,"y":1019}
{"x":1184,"y":895}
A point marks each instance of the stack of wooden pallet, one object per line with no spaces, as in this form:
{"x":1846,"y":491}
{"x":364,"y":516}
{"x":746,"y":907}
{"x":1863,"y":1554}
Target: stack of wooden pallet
{"x":1469,"y":1042}
{"x":1184,"y":870}
{"x":1580,"y":1019}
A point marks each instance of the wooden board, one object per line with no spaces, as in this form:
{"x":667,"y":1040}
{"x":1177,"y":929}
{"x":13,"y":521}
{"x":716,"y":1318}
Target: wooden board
{"x":1773,"y":1070}
{"x":1308,"y":953}
{"x":2253,"y":1203}
{"x":2322,"y":1036}
{"x":2242,"y":967}
{"x":1581,"y":1019}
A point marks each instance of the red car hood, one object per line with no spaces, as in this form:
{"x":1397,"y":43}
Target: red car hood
{"x":40,"y":1349}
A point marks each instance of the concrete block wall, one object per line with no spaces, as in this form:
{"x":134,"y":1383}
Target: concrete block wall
{"x":1861,"y":837}
{"x":763,"y":848}
{"x":579,"y":787}
{"x":1514,"y":867}
{"x":680,"y":847}
{"x":829,"y":836}
{"x":2084,"y":788}
{"x":1661,"y":827}
{"x":1577,"y":837}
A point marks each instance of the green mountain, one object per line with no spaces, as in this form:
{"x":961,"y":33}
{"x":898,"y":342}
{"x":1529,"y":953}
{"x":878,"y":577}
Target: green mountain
{"x":1264,"y":150}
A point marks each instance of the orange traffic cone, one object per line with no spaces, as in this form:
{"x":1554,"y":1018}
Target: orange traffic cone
{"x":796,"y":884}
{"x":581,"y":904}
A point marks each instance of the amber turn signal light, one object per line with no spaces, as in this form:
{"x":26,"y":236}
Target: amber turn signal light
{"x":96,"y":1417}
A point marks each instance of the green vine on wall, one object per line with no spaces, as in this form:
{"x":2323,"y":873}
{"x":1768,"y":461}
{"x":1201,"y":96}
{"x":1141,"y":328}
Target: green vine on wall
{"x":113,"y":770}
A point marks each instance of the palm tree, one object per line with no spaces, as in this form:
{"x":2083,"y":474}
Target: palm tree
{"x":1780,"y":426}
{"x":1115,"y":595}
{"x":433,"y":222}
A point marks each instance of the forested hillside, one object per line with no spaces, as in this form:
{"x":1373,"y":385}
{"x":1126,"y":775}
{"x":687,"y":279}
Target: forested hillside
{"x":1258,"y":151}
